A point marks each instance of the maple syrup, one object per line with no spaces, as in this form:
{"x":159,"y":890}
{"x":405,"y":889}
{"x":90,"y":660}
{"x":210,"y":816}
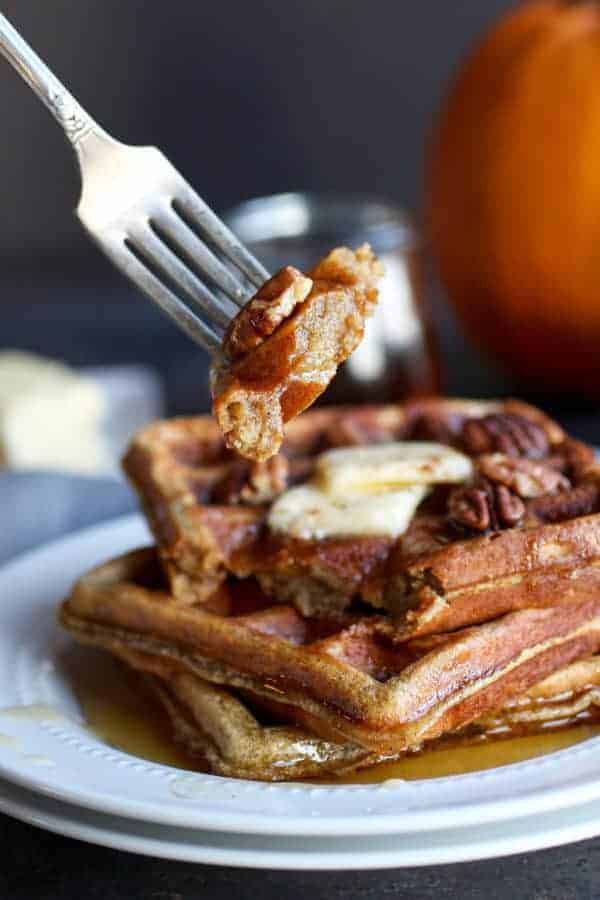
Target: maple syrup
{"x":119,"y":708}
{"x":459,"y":760}
{"x":121,"y":711}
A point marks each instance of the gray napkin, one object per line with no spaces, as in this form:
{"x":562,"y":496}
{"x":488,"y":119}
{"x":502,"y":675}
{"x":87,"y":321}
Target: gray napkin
{"x":36,"y":507}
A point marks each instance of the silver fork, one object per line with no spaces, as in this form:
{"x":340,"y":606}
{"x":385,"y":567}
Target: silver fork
{"x":145,"y":216}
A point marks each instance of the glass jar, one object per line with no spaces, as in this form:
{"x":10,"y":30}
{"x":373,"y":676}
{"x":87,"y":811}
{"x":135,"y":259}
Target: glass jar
{"x":396,"y":358}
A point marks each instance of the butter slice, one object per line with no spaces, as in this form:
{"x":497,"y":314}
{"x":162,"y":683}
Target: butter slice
{"x":378,"y":467}
{"x":308,"y":513}
{"x":50,"y":417}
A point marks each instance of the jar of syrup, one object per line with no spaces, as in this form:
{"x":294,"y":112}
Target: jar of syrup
{"x":397,"y":357}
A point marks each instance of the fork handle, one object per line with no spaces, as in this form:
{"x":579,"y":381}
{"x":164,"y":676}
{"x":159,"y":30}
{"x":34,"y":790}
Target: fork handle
{"x":75,"y":121}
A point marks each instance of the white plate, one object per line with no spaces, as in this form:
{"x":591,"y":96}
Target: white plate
{"x":59,"y":757}
{"x":290,"y":852}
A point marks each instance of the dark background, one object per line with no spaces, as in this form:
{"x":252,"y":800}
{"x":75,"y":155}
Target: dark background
{"x":247,"y":98}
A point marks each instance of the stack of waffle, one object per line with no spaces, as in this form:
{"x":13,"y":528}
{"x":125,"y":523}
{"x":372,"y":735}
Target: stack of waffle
{"x":279,"y":656}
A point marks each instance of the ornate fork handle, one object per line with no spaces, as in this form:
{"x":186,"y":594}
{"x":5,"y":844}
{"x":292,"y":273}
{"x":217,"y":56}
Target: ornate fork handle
{"x":75,"y":121}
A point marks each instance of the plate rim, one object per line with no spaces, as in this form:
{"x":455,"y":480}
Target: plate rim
{"x":249,"y":822}
{"x":463,"y":845}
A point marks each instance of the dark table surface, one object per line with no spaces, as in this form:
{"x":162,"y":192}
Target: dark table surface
{"x":90,"y":325}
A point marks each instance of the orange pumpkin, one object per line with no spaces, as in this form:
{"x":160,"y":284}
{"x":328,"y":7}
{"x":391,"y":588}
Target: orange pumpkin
{"x":513,"y":193}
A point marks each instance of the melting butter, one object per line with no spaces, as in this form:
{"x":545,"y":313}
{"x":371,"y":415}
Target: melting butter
{"x":362,"y":491}
{"x":306,"y":512}
{"x":378,"y":467}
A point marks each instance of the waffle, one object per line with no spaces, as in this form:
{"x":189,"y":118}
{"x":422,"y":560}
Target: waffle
{"x":347,"y":679}
{"x":567,"y":696}
{"x":236,"y":736}
{"x":282,"y":350}
{"x":208,"y":509}
{"x":227,"y":732}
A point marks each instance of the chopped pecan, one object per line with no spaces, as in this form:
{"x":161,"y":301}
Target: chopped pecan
{"x":507,"y":433}
{"x":253,"y":483}
{"x":572,"y":457}
{"x":266,"y":480}
{"x":229,"y":488}
{"x":579,"y":501}
{"x":273,"y":303}
{"x":525,"y":477}
{"x":352,"y":431}
{"x":431,"y":427}
{"x":485,"y":506}
{"x":299,"y":470}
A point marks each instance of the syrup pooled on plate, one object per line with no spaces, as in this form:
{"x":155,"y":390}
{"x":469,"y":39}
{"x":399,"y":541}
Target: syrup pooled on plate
{"x":121,"y":711}
{"x":486,"y":754}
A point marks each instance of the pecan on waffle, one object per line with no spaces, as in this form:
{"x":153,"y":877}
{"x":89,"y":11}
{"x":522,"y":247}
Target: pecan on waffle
{"x":460,"y":562}
{"x":347,"y":680}
{"x":282,"y":350}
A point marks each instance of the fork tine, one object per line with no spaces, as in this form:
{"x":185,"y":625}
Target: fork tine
{"x":197,"y":253}
{"x":201,"y":214}
{"x":160,"y":255}
{"x":126,"y":257}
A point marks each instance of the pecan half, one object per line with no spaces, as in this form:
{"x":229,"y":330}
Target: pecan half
{"x":431,"y":427}
{"x":485,"y":506}
{"x":524,"y":477}
{"x":507,"y":433}
{"x":273,"y":303}
{"x":579,"y":501}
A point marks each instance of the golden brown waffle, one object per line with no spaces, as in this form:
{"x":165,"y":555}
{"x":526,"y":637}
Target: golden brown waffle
{"x":208,"y":510}
{"x":567,"y":696}
{"x":225,"y":730}
{"x":347,"y":679}
{"x":234,"y":737}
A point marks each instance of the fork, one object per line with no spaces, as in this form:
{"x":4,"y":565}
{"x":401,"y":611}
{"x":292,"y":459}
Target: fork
{"x":145,"y":216}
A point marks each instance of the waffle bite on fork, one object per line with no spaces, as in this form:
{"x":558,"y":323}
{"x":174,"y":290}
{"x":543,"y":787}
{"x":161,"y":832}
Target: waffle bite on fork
{"x":284,"y":347}
{"x":394,"y":578}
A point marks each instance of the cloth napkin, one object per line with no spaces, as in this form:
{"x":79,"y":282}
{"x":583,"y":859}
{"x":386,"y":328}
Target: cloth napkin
{"x":36,"y":507}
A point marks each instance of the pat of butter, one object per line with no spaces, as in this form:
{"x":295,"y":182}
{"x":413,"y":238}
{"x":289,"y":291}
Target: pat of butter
{"x":50,"y":417}
{"x":349,"y":470}
{"x":373,"y":490}
{"x":308,"y":513}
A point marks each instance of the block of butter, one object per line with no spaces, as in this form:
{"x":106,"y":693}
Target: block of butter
{"x":50,"y":416}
